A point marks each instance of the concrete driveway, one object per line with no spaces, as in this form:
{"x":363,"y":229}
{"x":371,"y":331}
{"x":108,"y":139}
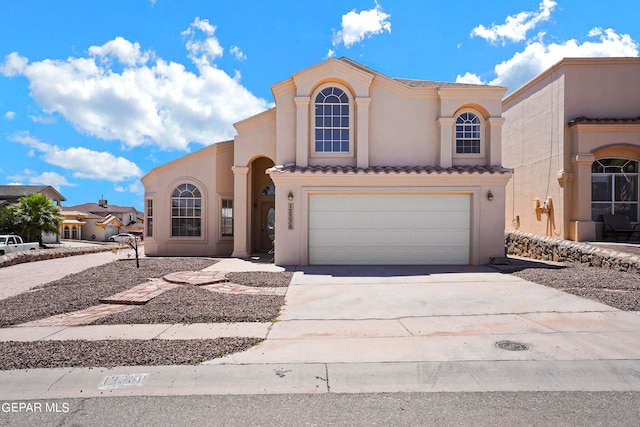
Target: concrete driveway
{"x":409,"y":314}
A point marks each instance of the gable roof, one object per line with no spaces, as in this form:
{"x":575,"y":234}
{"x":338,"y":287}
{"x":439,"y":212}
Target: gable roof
{"x":17,"y":191}
{"x":100,"y":210}
{"x":412,"y":82}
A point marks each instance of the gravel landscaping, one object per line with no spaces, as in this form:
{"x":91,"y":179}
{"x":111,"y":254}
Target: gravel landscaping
{"x":81,"y":353}
{"x":615,"y":288}
{"x":184,"y":304}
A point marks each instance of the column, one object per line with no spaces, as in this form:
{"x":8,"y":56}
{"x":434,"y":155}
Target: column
{"x":240,"y":205}
{"x":302,"y":130}
{"x":361,"y":137}
{"x":446,"y":141}
{"x":585,"y":228}
{"x":494,"y":145}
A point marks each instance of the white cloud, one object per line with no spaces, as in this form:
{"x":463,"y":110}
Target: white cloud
{"x":136,"y":188}
{"x":358,"y":26}
{"x":9,"y":115}
{"x":46,"y":120}
{"x":469,"y":78}
{"x":151,"y":101}
{"x":237,"y":53}
{"x":202,"y":52}
{"x":46,"y":178}
{"x":538,"y":56}
{"x":516,"y":26}
{"x":83,"y":162}
{"x":14,"y":65}
{"x":331,"y":54}
{"x":124,"y":51}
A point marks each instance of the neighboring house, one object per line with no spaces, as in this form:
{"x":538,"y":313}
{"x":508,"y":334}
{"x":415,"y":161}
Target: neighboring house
{"x":98,"y":221}
{"x":72,"y":223}
{"x":572,"y":136}
{"x":349,"y":167}
{"x":10,"y":194}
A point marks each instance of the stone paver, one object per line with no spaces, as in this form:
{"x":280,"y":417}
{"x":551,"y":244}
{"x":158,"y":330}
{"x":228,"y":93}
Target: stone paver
{"x":81,"y":317}
{"x":197,"y":278}
{"x":140,"y":294}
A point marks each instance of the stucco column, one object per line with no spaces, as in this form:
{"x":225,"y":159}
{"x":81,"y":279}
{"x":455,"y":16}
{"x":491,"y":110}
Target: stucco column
{"x":495,"y":140}
{"x":584,"y":227}
{"x":446,"y":141}
{"x":362,"y":132}
{"x":240,"y":205}
{"x":302,"y":130}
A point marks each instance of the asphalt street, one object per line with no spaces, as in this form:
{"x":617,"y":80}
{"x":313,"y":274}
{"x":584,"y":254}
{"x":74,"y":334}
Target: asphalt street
{"x":379,"y":409}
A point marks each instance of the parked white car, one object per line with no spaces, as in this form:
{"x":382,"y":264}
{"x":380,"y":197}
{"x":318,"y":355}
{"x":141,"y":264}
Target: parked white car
{"x":124,"y":237}
{"x":10,"y":243}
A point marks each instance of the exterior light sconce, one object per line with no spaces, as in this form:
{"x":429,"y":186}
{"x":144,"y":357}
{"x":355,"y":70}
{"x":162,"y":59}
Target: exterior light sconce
{"x":489,"y":196}
{"x":290,"y":196}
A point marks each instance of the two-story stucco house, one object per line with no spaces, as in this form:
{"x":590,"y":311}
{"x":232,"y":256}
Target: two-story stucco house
{"x":349,"y":167}
{"x":572,"y":137}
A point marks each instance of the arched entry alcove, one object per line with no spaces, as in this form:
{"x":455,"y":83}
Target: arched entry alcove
{"x":262,"y":205}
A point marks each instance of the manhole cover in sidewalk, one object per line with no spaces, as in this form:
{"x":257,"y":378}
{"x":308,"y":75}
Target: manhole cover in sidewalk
{"x":512,"y":346}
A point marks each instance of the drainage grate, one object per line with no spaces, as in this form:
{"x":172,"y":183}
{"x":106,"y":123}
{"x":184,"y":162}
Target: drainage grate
{"x":512,"y":346}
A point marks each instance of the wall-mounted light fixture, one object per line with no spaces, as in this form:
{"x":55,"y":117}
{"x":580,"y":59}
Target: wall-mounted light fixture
{"x":489,"y":195}
{"x":290,"y":196}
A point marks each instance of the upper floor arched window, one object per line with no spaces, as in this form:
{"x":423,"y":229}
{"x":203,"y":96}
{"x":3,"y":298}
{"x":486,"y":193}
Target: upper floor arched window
{"x":186,"y":211}
{"x":468,"y":140}
{"x":332,"y":124}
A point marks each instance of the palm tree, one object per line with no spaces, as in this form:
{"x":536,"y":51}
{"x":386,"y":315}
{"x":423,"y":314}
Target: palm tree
{"x":7,"y":220}
{"x":35,"y":214}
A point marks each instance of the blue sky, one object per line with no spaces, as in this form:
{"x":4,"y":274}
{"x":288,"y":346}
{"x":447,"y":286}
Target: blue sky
{"x":95,"y":94}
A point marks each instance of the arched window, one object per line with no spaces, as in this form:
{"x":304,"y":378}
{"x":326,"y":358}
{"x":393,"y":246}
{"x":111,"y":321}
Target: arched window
{"x":614,"y":188}
{"x":332,"y":121}
{"x":186,"y":211}
{"x":468,"y":134}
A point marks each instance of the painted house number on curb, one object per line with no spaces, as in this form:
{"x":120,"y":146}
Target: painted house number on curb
{"x":122,"y":381}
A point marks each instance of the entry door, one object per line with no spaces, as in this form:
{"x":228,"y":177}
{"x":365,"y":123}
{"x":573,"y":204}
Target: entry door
{"x":267,"y":225}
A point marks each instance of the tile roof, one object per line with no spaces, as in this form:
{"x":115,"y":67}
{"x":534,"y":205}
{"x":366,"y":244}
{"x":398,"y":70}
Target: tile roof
{"x":410,"y":82}
{"x":96,"y":208}
{"x":604,"y":120}
{"x":430,"y":83}
{"x":351,"y":170}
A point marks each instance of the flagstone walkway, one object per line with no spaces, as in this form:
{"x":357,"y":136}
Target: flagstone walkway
{"x":213,"y":281}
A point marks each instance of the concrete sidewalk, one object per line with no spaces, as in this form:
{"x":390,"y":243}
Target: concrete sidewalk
{"x":381,"y":329}
{"x":20,"y":278}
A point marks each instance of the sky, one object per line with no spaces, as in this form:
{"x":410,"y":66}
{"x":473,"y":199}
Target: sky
{"x":95,"y":94}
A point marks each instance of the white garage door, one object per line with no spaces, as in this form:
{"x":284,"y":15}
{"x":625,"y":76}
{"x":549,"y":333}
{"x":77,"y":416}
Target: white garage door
{"x":389,"y":229}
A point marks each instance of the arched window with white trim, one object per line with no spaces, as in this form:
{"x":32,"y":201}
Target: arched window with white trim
{"x":468,"y":134}
{"x":186,"y":211}
{"x":332,"y":121}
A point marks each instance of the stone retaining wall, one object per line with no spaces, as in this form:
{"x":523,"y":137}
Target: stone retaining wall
{"x":552,"y":249}
{"x":44,"y":254}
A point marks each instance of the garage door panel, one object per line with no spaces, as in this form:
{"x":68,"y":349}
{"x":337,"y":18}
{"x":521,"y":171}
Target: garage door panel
{"x":389,"y":229}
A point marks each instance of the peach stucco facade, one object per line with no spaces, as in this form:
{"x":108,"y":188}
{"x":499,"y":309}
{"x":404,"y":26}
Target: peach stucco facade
{"x":396,"y":146}
{"x":556,"y":126}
